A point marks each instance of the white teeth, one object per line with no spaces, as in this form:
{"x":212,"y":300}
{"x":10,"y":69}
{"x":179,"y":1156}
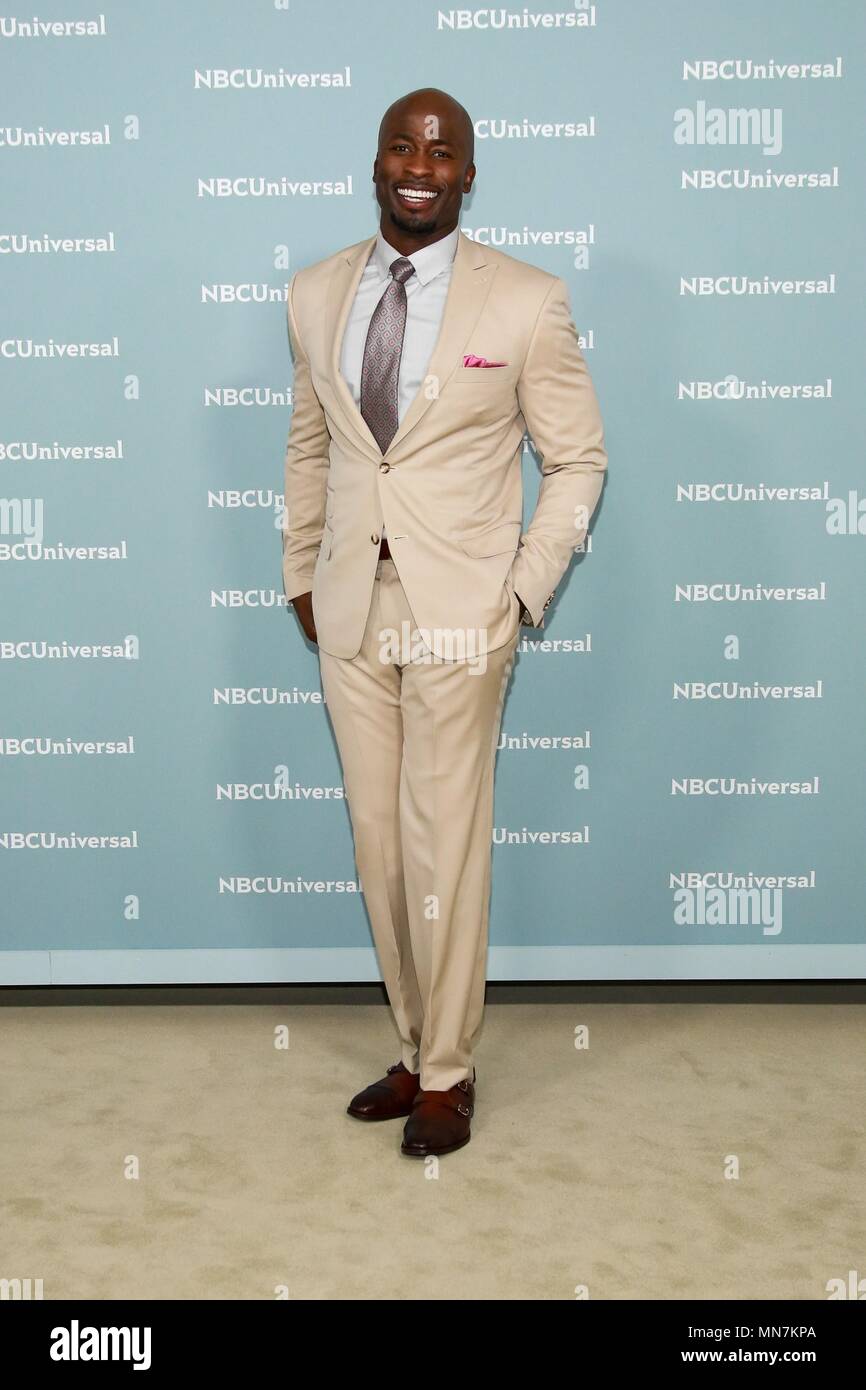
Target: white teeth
{"x":414,"y":194}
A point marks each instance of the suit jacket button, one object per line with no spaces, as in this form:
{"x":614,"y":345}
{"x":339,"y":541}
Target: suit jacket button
{"x":384,"y":468}
{"x":375,"y":540}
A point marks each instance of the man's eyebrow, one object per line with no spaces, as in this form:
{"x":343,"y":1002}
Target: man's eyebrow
{"x":401,"y":135}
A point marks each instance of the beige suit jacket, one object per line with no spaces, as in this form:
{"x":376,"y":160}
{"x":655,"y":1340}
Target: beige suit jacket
{"x":449,"y":488}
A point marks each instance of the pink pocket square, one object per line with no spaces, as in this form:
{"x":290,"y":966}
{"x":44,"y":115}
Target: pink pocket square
{"x":470,"y":360}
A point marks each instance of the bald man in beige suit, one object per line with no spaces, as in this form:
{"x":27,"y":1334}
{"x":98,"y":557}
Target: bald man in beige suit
{"x":406,"y":562}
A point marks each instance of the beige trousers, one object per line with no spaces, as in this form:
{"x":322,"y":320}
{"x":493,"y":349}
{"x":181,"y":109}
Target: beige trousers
{"x":417,"y":740}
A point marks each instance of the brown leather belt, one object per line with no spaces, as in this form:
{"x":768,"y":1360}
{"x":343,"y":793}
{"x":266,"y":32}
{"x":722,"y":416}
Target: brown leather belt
{"x":384,"y":549}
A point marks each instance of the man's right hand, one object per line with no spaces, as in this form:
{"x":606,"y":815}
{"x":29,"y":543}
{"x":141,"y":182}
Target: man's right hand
{"x":303,"y":605}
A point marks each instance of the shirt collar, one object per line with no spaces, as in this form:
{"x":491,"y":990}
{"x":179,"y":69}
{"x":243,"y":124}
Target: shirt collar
{"x":429,"y":262}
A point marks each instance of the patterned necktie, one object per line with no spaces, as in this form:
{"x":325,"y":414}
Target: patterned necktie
{"x":381,"y":366}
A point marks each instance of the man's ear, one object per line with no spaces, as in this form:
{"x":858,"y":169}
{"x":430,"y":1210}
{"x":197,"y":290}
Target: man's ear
{"x":375,"y":167}
{"x":469,"y":178}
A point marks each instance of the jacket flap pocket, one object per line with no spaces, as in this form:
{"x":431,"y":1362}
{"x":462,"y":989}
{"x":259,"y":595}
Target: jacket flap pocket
{"x":494,"y":541}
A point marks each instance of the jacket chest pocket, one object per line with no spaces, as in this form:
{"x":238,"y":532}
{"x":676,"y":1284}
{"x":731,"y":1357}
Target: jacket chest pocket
{"x":483,"y":378}
{"x":482,"y":394}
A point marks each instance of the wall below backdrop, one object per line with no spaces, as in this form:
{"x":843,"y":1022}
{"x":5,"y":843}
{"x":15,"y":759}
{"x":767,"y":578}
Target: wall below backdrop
{"x":680,"y":777}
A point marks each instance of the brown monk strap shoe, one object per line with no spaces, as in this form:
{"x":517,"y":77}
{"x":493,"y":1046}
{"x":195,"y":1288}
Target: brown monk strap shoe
{"x":388,"y":1099}
{"x":439,"y":1122}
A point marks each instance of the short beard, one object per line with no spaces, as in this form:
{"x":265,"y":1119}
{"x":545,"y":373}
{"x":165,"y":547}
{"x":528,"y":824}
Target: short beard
{"x":413,"y":228}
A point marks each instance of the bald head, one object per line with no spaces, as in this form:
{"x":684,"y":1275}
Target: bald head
{"x":435,"y":106}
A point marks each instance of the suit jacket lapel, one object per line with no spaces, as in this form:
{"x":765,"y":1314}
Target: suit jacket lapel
{"x":341,"y":296}
{"x":471,"y":277}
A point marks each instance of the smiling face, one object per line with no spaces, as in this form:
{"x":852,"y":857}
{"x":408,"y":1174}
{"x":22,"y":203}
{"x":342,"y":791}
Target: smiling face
{"x":423,"y":168}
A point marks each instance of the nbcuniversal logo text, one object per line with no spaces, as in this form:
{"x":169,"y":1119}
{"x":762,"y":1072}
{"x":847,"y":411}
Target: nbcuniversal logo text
{"x":746,"y":69}
{"x":581,"y":15}
{"x":732,"y":388}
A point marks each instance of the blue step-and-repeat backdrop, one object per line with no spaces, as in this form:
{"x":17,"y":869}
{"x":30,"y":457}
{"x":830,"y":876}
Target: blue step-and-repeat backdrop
{"x":680,"y":782}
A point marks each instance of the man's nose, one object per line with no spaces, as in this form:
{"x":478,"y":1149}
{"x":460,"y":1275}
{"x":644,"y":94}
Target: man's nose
{"x":418,"y":165}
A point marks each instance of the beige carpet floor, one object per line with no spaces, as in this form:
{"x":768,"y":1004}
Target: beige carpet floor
{"x":175,"y":1152}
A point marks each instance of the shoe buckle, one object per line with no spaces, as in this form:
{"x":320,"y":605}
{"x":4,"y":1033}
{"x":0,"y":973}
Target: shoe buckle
{"x":463,"y":1109}
{"x":463,"y":1085}
{"x":396,"y":1067}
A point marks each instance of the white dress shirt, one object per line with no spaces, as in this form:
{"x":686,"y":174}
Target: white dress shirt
{"x":426,"y":292}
